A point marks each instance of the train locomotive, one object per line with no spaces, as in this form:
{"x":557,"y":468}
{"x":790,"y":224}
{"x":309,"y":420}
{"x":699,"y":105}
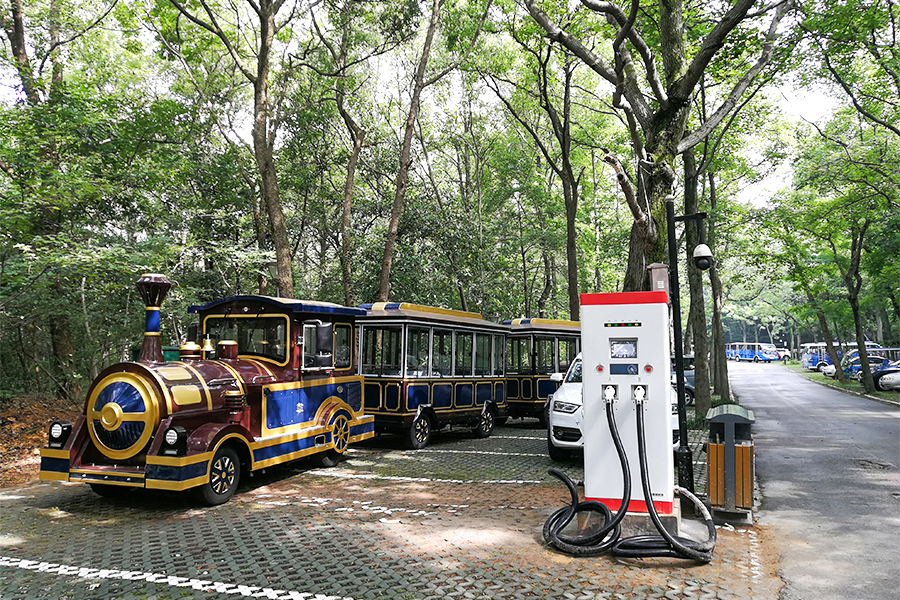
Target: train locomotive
{"x":275,"y":380}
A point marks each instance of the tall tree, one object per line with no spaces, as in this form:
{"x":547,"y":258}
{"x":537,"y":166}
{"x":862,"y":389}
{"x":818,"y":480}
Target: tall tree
{"x":252,"y":53}
{"x":421,"y":80}
{"x":656,"y":97}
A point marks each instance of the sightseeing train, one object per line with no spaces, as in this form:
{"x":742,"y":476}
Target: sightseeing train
{"x":278,"y":379}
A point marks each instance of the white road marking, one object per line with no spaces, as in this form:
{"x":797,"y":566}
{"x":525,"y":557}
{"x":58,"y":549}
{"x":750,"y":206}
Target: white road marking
{"x":481,"y":452}
{"x":251,"y":591}
{"x":345,"y":475}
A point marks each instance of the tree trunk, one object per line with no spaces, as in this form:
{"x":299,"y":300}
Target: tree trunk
{"x":263,"y":150}
{"x":346,"y":213}
{"x":697,"y":312}
{"x":390,"y":242}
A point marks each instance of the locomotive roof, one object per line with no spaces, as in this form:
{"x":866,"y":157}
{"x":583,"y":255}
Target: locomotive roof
{"x":537,"y":325}
{"x":288,"y":305}
{"x":408,"y":311}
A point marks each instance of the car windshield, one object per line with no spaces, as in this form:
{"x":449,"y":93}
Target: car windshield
{"x":574,"y":375}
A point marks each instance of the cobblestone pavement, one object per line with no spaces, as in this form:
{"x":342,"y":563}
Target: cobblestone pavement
{"x":459,"y":519}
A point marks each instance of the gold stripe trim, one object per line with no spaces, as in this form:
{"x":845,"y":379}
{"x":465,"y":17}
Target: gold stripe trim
{"x":179,"y":461}
{"x":54,"y":453}
{"x":97,"y":472}
{"x":53,"y":476}
{"x":177,"y":486}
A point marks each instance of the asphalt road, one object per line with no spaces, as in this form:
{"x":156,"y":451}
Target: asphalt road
{"x":827,"y":463}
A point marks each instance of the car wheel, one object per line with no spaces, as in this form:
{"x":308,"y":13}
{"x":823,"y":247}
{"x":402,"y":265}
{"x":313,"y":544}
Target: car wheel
{"x":224,"y":477}
{"x":878,"y":385}
{"x":419,"y":433}
{"x":485,"y":424}
{"x":756,"y":359}
{"x":688,"y":397}
{"x":557,"y":454}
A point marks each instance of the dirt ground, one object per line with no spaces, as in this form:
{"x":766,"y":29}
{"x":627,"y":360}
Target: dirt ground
{"x":23,"y":431}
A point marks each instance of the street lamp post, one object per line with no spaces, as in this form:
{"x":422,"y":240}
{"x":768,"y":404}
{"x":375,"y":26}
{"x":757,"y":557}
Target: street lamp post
{"x":683,"y":457}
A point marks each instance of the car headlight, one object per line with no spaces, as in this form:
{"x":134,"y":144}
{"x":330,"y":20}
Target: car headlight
{"x":564,"y":407}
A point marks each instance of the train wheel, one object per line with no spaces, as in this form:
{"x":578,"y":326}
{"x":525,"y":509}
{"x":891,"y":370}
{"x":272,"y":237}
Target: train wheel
{"x":419,"y":433}
{"x":485,"y":425}
{"x":340,"y":436}
{"x":224,"y":477}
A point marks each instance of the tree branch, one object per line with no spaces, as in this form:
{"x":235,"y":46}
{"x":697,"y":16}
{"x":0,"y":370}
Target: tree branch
{"x":741,"y":86}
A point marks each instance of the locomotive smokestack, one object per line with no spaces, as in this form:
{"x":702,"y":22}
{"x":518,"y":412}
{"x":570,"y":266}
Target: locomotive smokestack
{"x":153,"y":289}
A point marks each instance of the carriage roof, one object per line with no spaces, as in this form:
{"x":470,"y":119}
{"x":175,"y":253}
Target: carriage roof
{"x":287,"y":305}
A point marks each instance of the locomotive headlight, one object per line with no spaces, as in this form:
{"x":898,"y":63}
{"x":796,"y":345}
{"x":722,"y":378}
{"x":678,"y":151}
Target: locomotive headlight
{"x":59,"y":433}
{"x":175,"y":439}
{"x":171,"y":437}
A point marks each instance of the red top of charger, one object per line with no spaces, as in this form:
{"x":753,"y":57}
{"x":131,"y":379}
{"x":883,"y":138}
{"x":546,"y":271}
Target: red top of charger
{"x":656,"y":297}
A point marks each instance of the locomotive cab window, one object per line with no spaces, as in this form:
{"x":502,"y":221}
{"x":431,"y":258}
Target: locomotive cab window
{"x":343,"y":342}
{"x":259,"y":336}
{"x":318,"y":345}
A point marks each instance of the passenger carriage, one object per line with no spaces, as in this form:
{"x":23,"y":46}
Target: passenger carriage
{"x":535,"y":349}
{"x":426,"y":368}
{"x":274,"y":381}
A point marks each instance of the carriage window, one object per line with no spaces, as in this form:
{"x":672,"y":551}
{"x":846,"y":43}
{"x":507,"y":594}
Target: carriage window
{"x":499,"y":345}
{"x":544,"y":355}
{"x":265,"y":337}
{"x":417,"y":352}
{"x":463,"y":363}
{"x":518,"y":355}
{"x":482,"y":354}
{"x":343,"y":343}
{"x":567,"y":352}
{"x":443,"y":352}
{"x":381,"y":351}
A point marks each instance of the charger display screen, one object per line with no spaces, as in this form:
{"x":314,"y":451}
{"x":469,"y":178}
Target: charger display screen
{"x":623,"y":348}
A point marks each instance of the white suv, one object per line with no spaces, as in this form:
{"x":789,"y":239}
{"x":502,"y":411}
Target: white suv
{"x":565,"y":414}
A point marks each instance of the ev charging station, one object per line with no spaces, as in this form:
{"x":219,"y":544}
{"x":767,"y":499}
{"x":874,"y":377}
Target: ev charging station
{"x":629,"y":468}
{"x":625,"y":350}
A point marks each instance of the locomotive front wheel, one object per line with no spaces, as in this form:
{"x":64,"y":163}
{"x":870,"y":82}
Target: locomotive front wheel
{"x":340,"y":436}
{"x":485,"y":425}
{"x":224,"y":477}
{"x":419,"y":433}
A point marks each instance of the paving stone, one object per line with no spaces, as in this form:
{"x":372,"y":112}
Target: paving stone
{"x":388,"y":523}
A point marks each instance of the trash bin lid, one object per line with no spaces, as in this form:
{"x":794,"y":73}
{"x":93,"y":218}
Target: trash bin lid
{"x":730,"y":413}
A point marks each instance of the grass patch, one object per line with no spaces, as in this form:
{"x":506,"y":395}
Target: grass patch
{"x":851,"y":385}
